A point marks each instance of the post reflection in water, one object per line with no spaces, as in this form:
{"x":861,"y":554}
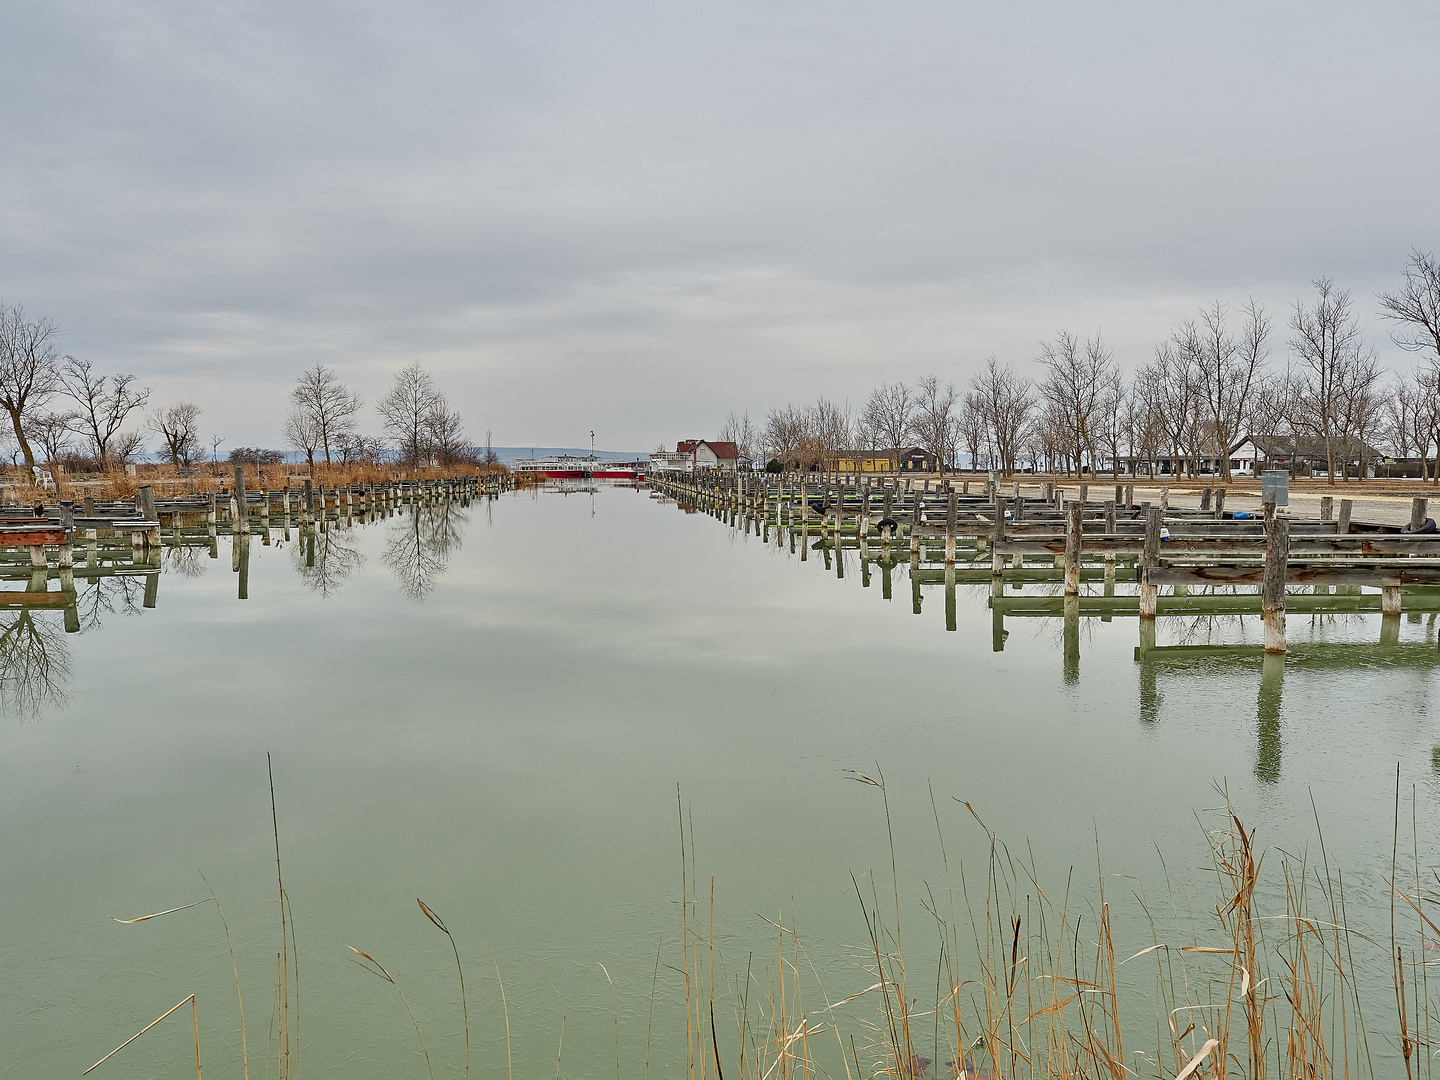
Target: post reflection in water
{"x":1267,"y":724}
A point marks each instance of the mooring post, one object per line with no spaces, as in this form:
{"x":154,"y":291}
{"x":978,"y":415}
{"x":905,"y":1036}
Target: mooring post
{"x":1129,"y":496}
{"x":1150,"y":560}
{"x":1272,"y":588}
{"x":1119,"y":494}
{"x":950,"y":530}
{"x":1073,"y":522}
{"x":1220,"y":503}
{"x":997,"y":539}
{"x":1342,"y":525}
{"x":308,"y":506}
{"x":1390,"y":600}
{"x":1417,"y":512}
{"x":1205,"y":494}
{"x":244,"y":519}
{"x":917,"y":514}
{"x":1327,"y":507}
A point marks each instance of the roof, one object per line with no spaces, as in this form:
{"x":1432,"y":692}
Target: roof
{"x":726,"y":451}
{"x":686,"y":446}
{"x":1311,"y":447}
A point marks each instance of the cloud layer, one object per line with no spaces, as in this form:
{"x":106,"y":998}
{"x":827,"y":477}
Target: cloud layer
{"x":634,"y":217}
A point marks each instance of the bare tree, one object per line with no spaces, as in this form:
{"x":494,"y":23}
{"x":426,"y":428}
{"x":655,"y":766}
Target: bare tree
{"x":409,"y":410}
{"x":29,"y":369}
{"x":34,"y":666}
{"x":740,"y":431}
{"x":1076,"y":375}
{"x":128,"y":445}
{"x":1225,"y":368}
{"x":936,"y":424}
{"x":102,"y":404}
{"x":886,"y":419}
{"x":301,"y":433}
{"x":974,"y":430}
{"x":328,"y":406}
{"x":1416,"y":307}
{"x":1007,"y":401}
{"x":179,"y":428}
{"x":447,"y":435}
{"x":1334,"y":364}
{"x":52,"y":432}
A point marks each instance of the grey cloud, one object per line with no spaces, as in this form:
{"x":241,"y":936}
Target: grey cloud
{"x":634,"y":217}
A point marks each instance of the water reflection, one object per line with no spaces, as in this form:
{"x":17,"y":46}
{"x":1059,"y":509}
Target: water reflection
{"x":1205,"y":630}
{"x":420,"y":544}
{"x":326,"y":561}
{"x":34,"y":664}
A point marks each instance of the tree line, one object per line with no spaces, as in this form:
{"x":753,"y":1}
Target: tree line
{"x":62,"y":410}
{"x":1208,"y":384}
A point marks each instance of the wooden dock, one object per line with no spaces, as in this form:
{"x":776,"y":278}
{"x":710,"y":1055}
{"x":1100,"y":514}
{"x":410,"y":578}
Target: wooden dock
{"x":65,"y":541}
{"x":1047,"y":534}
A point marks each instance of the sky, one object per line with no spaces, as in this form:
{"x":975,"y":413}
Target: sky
{"x":634,"y":218}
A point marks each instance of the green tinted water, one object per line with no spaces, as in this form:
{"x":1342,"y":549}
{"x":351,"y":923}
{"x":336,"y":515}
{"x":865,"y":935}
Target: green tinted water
{"x":490,"y":708}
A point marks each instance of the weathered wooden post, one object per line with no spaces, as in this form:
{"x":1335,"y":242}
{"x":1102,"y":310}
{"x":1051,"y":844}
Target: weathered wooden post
{"x":1164,"y":499}
{"x":145,"y":502}
{"x":1129,"y":496}
{"x":308,"y":506}
{"x":1417,"y":512}
{"x":1119,"y":494}
{"x":1390,"y":600}
{"x":1342,"y":525}
{"x":1073,"y":533}
{"x":1327,"y":507}
{"x":89,"y":506}
{"x":243,"y":520}
{"x":1084,"y":493}
{"x":152,"y":589}
{"x":1272,"y":587}
{"x":997,"y":539}
{"x":1149,"y":561}
{"x":1205,"y":494}
{"x":1220,"y":503}
{"x":244,"y":567}
{"x":950,"y":530}
{"x":917,"y":515}
{"x":887,"y":534}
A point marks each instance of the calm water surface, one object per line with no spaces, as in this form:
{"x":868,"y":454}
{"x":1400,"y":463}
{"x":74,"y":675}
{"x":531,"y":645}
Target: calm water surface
{"x":490,"y":707}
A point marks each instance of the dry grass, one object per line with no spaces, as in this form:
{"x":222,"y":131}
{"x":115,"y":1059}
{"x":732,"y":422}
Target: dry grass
{"x":167,"y":481}
{"x":1027,"y":981}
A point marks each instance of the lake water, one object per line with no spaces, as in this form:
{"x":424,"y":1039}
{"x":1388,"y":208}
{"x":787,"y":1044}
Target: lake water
{"x":490,"y":707}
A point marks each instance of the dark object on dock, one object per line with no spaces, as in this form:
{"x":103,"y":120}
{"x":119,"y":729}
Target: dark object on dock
{"x":1427,"y":527}
{"x":889,"y":523}
{"x":819,"y":507}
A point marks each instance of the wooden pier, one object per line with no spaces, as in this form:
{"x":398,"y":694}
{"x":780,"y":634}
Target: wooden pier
{"x":66,"y":540}
{"x":1047,"y":534}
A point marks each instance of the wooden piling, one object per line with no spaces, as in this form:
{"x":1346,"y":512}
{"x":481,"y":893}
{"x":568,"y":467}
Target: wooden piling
{"x":242,"y":521}
{"x":1327,"y":507}
{"x":997,"y":537}
{"x":1272,"y":587}
{"x":1343,"y":523}
{"x":950,"y":530}
{"x":1417,"y":512}
{"x":1073,"y":532}
{"x":1149,"y":560}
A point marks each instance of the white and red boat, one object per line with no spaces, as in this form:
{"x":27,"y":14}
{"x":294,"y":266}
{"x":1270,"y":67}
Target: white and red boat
{"x":569,"y":467}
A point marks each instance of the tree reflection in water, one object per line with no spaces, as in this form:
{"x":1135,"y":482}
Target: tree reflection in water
{"x":34,"y":664}
{"x":121,"y":594}
{"x":187,"y":560}
{"x":419,"y":546}
{"x":325,"y":560}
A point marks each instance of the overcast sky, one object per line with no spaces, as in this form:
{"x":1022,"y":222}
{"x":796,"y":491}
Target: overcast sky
{"x":635,"y":217}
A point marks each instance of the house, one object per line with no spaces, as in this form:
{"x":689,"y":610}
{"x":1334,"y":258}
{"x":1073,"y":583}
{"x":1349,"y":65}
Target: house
{"x":1301,"y":455}
{"x":710,"y":455}
{"x":894,"y":459}
{"x":665,"y":461}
